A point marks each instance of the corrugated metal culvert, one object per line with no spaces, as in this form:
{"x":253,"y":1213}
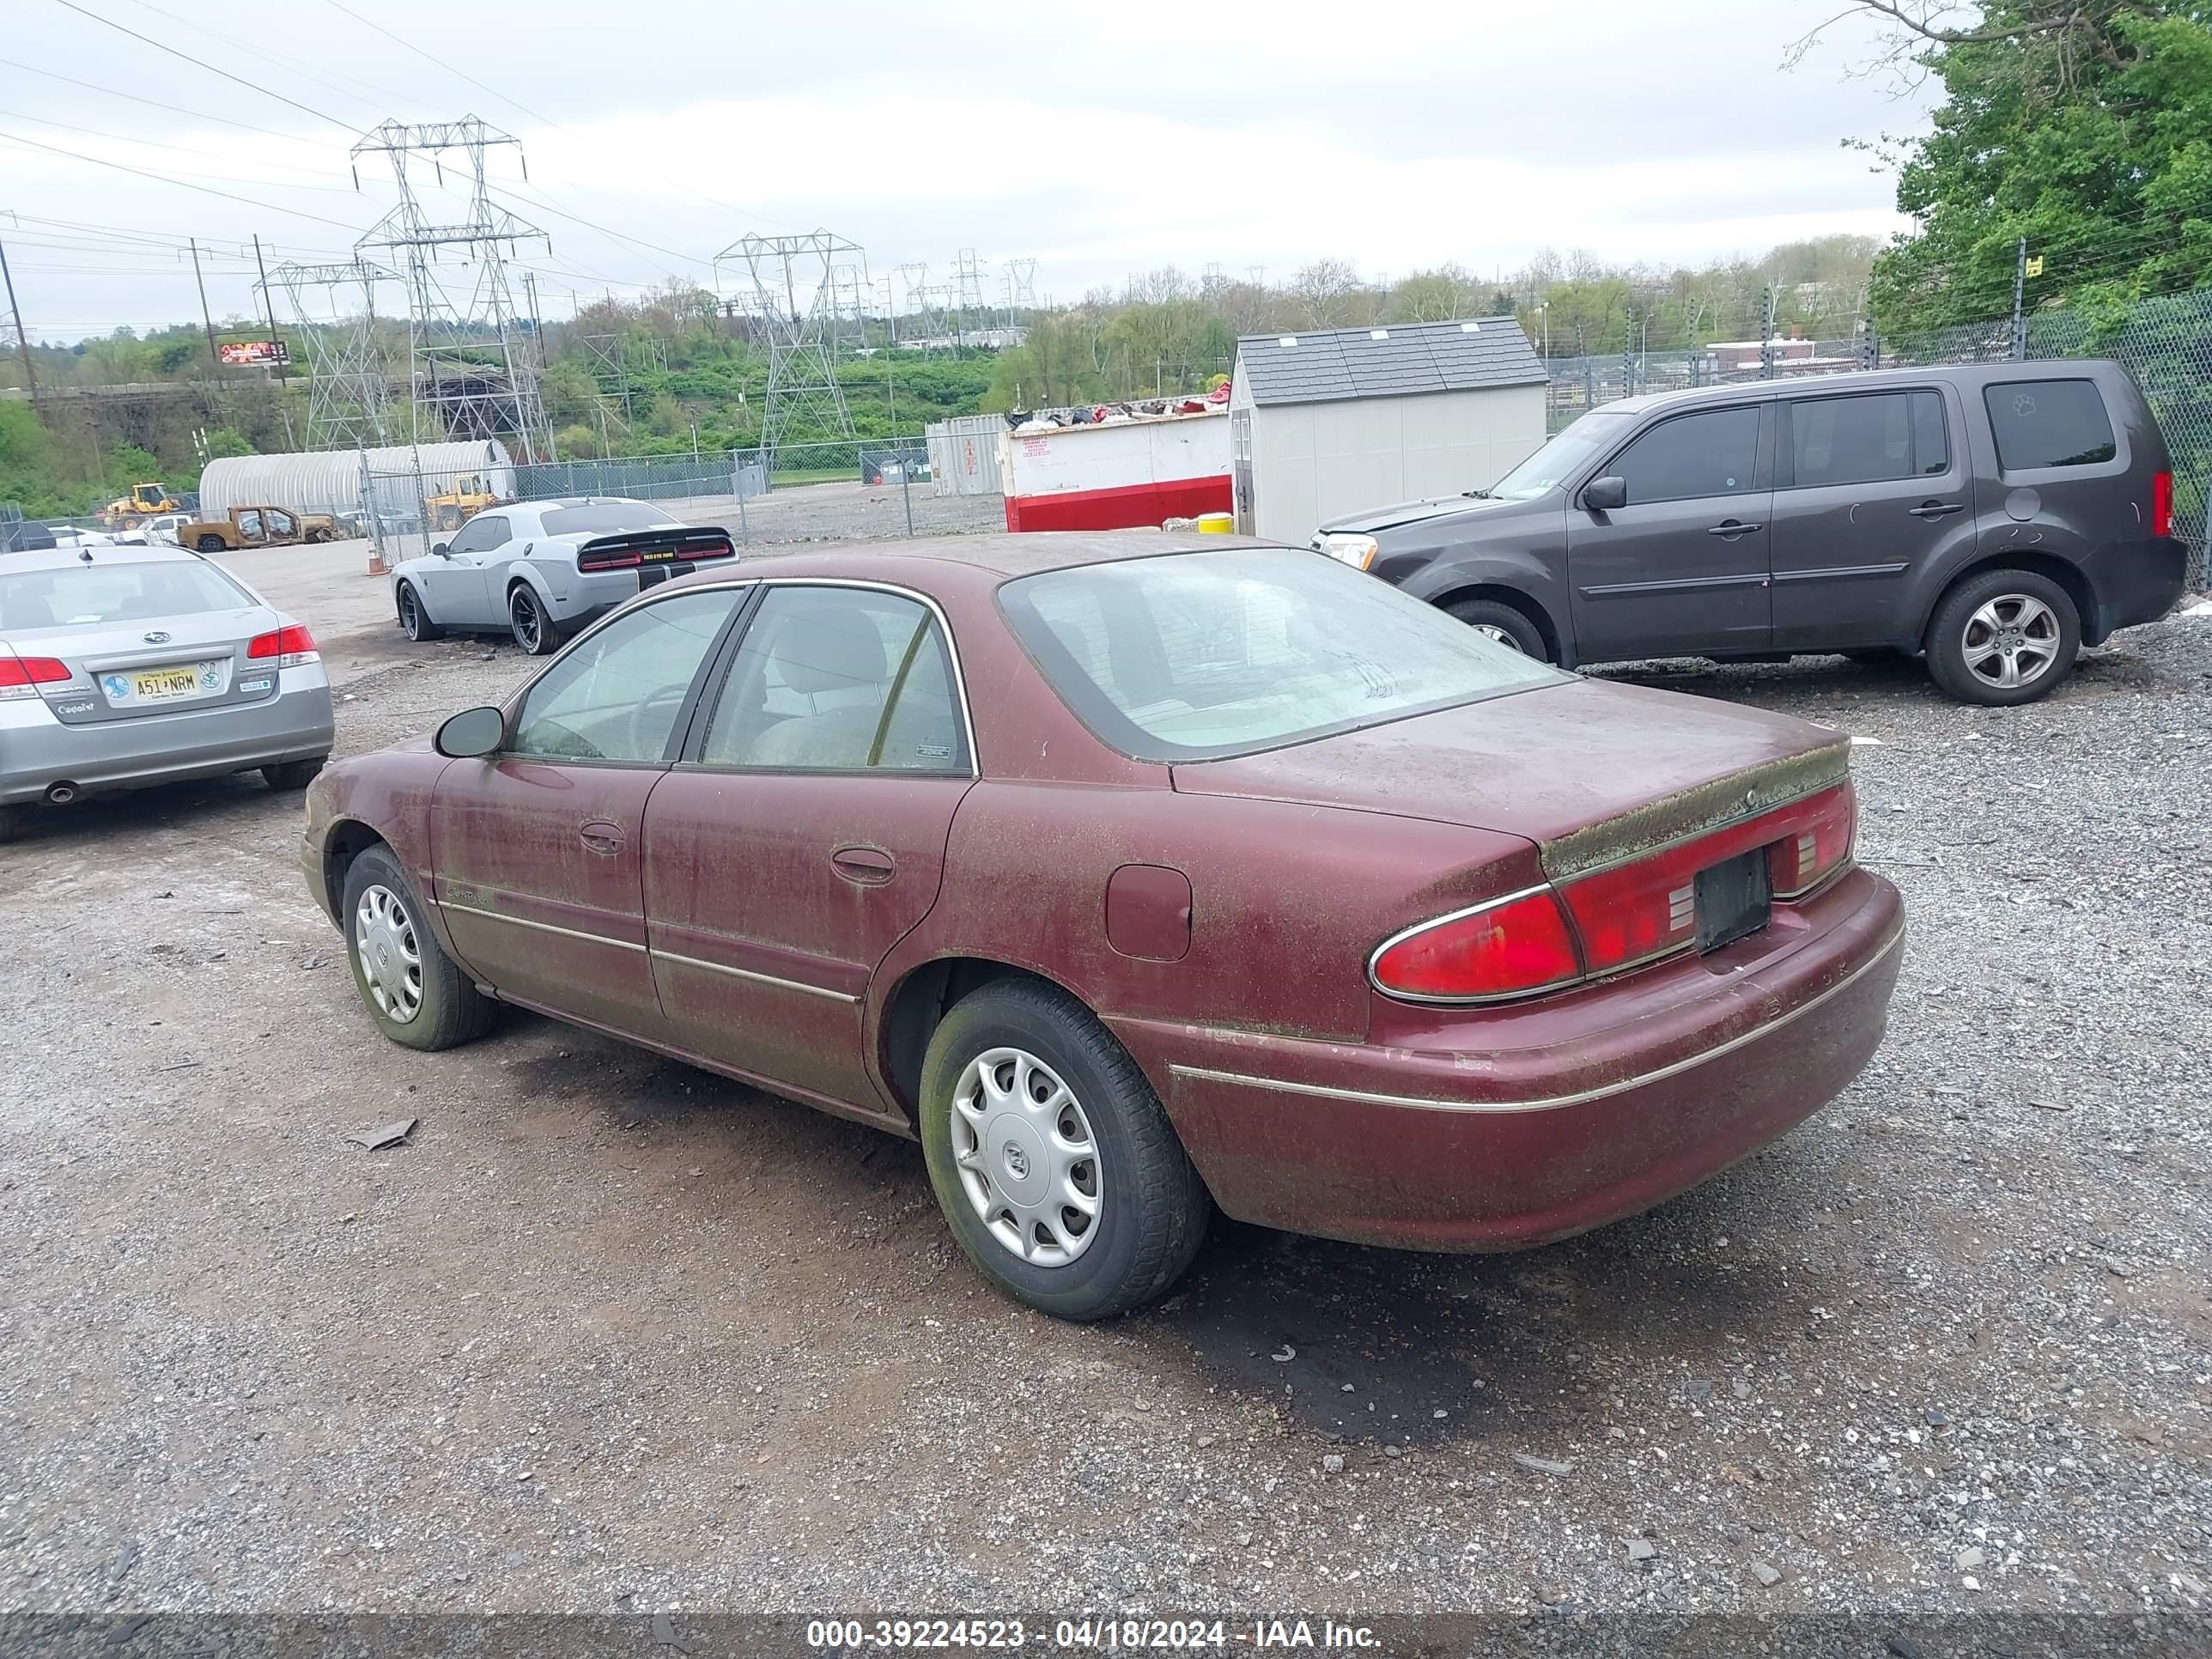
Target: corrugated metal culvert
{"x":330,"y":480}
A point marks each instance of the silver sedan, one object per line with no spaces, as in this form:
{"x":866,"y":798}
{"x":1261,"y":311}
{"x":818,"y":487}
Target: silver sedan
{"x":126,"y":666}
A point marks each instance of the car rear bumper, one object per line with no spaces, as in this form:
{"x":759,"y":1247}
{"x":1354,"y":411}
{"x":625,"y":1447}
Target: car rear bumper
{"x":1483,"y":1136}
{"x":38,"y":751}
{"x":2139,"y":585}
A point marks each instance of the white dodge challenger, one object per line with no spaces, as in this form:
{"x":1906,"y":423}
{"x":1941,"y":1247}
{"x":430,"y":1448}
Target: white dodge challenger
{"x":540,"y":570}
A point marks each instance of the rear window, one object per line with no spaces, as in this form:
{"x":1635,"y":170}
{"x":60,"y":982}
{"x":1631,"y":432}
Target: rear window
{"x":604,"y":519}
{"x":2049,"y":423}
{"x":1199,"y":656}
{"x":90,"y":594}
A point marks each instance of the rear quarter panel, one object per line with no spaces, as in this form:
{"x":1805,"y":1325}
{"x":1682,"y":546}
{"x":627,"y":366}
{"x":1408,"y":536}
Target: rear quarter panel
{"x":1287,"y":900}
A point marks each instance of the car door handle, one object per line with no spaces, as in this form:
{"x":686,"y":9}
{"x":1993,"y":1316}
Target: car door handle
{"x":862,"y":865}
{"x":601,"y":837}
{"x":1730,"y":527}
{"x":1937,"y":509}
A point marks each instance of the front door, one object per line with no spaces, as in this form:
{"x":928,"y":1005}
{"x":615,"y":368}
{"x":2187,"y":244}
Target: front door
{"x":459,"y":584}
{"x":805,"y":835}
{"x":1868,"y":489}
{"x":540,"y":849}
{"x":1682,"y":568}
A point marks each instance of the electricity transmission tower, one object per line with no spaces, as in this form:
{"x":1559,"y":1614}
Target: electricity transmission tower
{"x":848,"y":308}
{"x":1021,"y":289}
{"x":803,"y":393}
{"x":348,"y":391}
{"x":968,"y":288}
{"x":472,"y":367}
{"x":916,"y":277}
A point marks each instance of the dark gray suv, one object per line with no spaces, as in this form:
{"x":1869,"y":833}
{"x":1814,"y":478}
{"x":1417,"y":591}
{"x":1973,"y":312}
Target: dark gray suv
{"x":1994,"y":518}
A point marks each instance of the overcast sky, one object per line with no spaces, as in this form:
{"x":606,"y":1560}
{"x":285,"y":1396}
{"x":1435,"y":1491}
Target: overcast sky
{"x":1099,"y":139}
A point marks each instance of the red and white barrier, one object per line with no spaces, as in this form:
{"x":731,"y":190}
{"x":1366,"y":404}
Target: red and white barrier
{"x":1116,"y":475}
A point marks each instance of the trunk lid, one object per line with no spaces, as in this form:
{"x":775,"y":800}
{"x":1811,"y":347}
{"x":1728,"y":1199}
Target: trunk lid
{"x":158,"y":666}
{"x":1593,"y":773}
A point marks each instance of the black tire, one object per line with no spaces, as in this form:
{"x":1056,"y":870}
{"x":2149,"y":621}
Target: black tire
{"x":1153,"y":1209}
{"x":293,"y":774}
{"x":319,"y":537}
{"x":2056,"y":627}
{"x":451,"y":1010}
{"x":414,"y":620}
{"x":1495,"y":617}
{"x":211,"y":545}
{"x":534,"y":631}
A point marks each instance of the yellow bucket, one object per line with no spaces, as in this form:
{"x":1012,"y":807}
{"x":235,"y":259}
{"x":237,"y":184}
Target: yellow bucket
{"x":1217,"y":524}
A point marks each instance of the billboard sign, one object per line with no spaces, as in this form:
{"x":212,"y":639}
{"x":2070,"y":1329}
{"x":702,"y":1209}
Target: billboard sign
{"x":251,"y":353}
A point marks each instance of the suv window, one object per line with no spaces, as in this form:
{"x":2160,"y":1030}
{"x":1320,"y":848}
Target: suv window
{"x":2049,"y":423}
{"x":1867,"y":439}
{"x":1712,"y":454}
{"x":840,"y":679}
{"x":617,"y":694}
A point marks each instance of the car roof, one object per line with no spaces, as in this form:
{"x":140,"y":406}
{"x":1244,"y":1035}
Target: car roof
{"x":997,"y":556}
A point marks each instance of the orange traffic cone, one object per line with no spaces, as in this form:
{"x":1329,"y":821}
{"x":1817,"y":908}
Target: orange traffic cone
{"x":376,"y":564}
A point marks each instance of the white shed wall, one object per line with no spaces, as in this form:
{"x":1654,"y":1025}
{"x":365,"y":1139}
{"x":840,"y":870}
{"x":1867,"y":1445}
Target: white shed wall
{"x":1314,"y":462}
{"x":329,"y":480}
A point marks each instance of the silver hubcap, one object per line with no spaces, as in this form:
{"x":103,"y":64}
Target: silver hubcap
{"x":1027,"y":1158}
{"x":2011,"y":641}
{"x":1492,"y":631}
{"x":390,"y":960}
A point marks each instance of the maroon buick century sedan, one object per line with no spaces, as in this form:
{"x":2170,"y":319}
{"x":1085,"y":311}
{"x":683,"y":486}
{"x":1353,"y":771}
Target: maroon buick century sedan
{"x":1135,"y":876}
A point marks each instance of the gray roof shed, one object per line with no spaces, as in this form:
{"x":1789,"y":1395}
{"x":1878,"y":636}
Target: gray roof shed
{"x":1394,"y":361}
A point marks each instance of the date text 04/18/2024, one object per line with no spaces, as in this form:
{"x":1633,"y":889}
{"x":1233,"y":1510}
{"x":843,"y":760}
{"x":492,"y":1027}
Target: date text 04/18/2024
{"x":1088,"y":1634}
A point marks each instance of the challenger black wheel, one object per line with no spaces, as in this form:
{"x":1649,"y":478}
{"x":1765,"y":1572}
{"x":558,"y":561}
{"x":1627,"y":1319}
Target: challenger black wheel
{"x":414,"y":620}
{"x":534,"y":631}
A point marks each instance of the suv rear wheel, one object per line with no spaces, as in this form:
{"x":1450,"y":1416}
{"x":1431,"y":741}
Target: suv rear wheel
{"x":1505,"y":624}
{"x":2003,"y":637}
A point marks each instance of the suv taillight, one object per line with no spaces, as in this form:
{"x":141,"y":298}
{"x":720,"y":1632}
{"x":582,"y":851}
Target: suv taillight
{"x":2161,"y":503}
{"x":20,"y":676}
{"x":291,"y":647}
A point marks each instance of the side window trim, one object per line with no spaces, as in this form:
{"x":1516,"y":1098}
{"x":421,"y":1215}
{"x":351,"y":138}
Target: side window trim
{"x":724,"y":661}
{"x":678,"y":729}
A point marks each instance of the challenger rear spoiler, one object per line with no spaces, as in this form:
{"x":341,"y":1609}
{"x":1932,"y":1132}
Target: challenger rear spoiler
{"x":634,"y":547}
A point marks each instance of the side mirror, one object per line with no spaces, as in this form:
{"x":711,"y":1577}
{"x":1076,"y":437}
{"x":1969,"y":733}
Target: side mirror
{"x":471,"y":733}
{"x":1606,"y":494}
{"x":442,"y":549}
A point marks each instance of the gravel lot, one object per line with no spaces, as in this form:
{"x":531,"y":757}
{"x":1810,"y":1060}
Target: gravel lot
{"x":609,"y":1334}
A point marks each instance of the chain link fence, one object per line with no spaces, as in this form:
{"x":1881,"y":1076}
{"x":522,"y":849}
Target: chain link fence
{"x":856,"y":490}
{"x":2165,"y":343}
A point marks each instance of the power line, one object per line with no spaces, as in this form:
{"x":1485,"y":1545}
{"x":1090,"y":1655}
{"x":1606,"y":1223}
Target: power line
{"x":201,"y":63}
{"x":539,"y":203}
{"x":294,"y":65}
{"x":197,"y":115}
{"x":516,"y":103}
{"x":181,"y":149}
{"x":174,"y":183}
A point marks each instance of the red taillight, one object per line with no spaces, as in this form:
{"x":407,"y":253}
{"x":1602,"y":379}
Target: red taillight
{"x":2161,"y":503}
{"x":711,"y":550}
{"x":1818,"y":844}
{"x":290,"y":646}
{"x":20,"y":675}
{"x":588,"y":562}
{"x":1507,"y":948}
{"x":1637,"y":911}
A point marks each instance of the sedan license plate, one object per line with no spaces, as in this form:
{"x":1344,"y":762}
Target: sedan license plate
{"x":170,"y":684}
{"x":1734,"y":899}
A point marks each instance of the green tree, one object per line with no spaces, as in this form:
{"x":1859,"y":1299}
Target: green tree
{"x":2085,"y":129}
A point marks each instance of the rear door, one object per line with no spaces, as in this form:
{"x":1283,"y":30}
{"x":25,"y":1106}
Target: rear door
{"x":1868,"y":489}
{"x":804,"y":835}
{"x":539,"y":849}
{"x":1682,"y":568}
